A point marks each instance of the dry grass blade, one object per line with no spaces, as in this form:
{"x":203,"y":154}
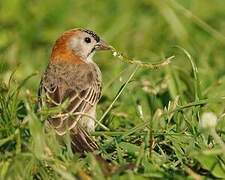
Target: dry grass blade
{"x":129,"y":60}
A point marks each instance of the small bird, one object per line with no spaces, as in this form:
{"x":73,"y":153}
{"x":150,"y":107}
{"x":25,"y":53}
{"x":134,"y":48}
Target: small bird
{"x":73,"y":78}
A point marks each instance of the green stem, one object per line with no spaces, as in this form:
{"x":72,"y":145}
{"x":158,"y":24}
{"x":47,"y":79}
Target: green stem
{"x":118,"y":95}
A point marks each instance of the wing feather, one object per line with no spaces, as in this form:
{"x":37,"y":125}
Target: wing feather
{"x":82,"y":88}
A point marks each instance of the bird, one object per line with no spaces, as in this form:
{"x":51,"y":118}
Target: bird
{"x":73,"y":78}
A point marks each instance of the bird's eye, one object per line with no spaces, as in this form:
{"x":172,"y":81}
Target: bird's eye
{"x":87,"y":40}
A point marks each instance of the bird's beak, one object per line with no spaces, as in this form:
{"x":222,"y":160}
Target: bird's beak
{"x":102,"y":45}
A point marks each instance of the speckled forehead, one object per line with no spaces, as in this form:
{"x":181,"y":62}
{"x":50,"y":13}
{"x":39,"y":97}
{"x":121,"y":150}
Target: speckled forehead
{"x":76,"y":32}
{"x":92,"y":33}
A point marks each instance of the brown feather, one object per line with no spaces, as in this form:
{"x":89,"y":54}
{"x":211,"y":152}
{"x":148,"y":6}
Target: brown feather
{"x":81,"y":85}
{"x":61,"y":51}
{"x":81,"y":141}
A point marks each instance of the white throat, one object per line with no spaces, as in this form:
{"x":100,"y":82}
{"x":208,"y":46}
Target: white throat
{"x":90,"y":57}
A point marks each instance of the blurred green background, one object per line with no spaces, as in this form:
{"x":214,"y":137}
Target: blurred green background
{"x":147,"y":30}
{"x":143,"y":29}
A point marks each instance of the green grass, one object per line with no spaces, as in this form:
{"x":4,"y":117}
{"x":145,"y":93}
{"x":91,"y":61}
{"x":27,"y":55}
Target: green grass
{"x":154,"y":120}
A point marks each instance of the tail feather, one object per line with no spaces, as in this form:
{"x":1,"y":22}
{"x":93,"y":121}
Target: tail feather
{"x":81,"y":141}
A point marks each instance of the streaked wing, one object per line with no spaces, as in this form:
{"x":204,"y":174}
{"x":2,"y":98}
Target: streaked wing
{"x":82,"y":89}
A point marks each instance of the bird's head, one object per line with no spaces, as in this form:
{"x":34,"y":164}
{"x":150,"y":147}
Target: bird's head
{"x":77,"y":45}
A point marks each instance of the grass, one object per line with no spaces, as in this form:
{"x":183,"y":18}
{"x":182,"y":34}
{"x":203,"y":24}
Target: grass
{"x":149,"y":118}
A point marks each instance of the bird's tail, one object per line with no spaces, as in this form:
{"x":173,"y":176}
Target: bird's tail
{"x":81,"y":141}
